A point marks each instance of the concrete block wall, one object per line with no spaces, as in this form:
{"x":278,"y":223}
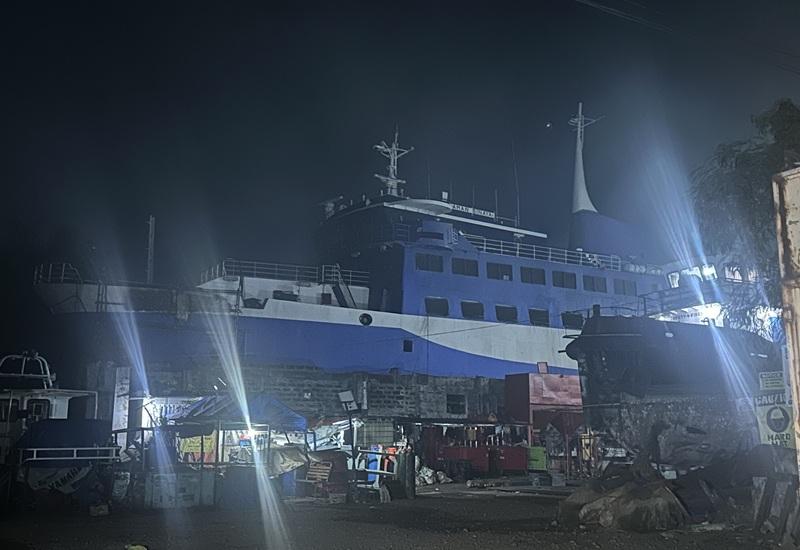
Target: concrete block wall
{"x":314,"y":393}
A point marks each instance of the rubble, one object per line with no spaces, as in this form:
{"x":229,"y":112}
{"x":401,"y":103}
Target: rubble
{"x":428,"y":476}
{"x":636,"y":507}
{"x":755,"y":489}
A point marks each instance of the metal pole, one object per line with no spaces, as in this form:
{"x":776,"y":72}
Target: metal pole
{"x":516,"y":179}
{"x":202,"y":454}
{"x":429,"y":179}
{"x":268,"y":452}
{"x":216,"y":446}
{"x":151,"y":238}
{"x":224,"y":433}
{"x":216,"y":466}
{"x":352,"y":465}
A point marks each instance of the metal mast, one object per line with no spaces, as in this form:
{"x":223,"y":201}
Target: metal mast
{"x":393,"y":152}
{"x":580,"y":196}
{"x":151,"y":241}
{"x":516,"y":181}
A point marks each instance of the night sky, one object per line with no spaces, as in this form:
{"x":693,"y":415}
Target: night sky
{"x":230,"y":121}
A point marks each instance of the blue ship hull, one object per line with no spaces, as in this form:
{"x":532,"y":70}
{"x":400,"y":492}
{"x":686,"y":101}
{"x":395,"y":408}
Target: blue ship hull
{"x":332,"y":346}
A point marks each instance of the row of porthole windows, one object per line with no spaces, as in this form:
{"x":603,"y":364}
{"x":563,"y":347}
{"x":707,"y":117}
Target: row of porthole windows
{"x":530,"y":275}
{"x":473,"y":310}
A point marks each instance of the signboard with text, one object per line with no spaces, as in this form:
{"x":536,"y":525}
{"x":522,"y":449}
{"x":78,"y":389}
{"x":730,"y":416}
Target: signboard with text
{"x":774,"y":414}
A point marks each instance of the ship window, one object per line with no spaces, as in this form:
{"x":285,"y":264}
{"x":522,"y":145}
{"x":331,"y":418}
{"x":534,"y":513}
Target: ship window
{"x":564,"y":279}
{"x":539,"y":317}
{"x":624,"y":287}
{"x":532,"y":275}
{"x":594,"y":284}
{"x":437,"y":307}
{"x":498,"y":271}
{"x":8,"y":414}
{"x":572,"y":320}
{"x":430,"y":262}
{"x":408,"y":346}
{"x":506,"y":314}
{"x":38,"y":409}
{"x":456,"y":403}
{"x":471,"y":310}
{"x":463,"y":266}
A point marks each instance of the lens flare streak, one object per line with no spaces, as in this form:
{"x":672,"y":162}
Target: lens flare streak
{"x":220,"y":325}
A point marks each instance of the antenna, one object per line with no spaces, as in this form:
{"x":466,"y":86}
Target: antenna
{"x":428,"y":166}
{"x":516,"y":179}
{"x":392,"y":152}
{"x":151,"y":241}
{"x":580,"y":196}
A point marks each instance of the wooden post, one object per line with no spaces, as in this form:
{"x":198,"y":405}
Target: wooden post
{"x":786,"y":193}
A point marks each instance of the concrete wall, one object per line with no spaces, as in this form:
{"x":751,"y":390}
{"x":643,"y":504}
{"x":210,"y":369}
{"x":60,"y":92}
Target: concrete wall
{"x":313,"y":392}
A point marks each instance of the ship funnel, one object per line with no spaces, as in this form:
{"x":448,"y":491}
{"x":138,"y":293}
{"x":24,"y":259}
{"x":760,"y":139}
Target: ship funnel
{"x":580,"y":196}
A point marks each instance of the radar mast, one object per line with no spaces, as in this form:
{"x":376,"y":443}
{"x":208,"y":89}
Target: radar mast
{"x":392,"y":184}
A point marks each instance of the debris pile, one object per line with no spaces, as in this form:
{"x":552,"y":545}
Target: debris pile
{"x":755,"y":488}
{"x":428,"y":476}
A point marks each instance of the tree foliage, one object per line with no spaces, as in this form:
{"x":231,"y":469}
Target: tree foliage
{"x":732,"y":195}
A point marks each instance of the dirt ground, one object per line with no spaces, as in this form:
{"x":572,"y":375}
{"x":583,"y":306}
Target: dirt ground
{"x":455,"y":518}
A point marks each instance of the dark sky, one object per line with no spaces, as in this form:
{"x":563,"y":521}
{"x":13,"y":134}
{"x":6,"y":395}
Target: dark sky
{"x":230,"y":121}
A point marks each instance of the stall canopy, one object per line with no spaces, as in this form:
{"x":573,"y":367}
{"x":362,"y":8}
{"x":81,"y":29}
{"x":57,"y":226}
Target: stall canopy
{"x":263,"y":409}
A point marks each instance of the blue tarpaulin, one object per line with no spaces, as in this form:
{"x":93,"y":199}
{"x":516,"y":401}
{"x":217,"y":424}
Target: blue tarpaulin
{"x":263,"y":409}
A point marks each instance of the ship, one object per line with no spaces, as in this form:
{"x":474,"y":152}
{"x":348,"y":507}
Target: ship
{"x":415,"y":284}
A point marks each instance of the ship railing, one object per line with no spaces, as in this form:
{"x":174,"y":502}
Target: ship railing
{"x":326,"y":274}
{"x":95,"y":454}
{"x":58,"y":272}
{"x":545,"y":253}
{"x":695,"y":293}
{"x":333,"y":274}
{"x":40,"y":372}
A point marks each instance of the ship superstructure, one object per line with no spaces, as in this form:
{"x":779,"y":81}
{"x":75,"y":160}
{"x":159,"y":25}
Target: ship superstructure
{"x":418,"y":285}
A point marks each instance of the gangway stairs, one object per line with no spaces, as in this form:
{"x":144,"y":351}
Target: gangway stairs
{"x":340,"y":288}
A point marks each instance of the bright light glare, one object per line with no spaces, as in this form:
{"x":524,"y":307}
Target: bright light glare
{"x":222,"y":331}
{"x":733,"y":366}
{"x":128,"y":333}
{"x":669,"y":190}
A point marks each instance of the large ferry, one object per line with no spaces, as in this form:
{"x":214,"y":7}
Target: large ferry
{"x":421,"y":285}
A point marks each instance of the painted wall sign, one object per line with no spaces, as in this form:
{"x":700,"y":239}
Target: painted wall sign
{"x":774,"y":414}
{"x":771,"y":381}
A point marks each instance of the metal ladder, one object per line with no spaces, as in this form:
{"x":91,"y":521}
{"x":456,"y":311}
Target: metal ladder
{"x":341,"y":290}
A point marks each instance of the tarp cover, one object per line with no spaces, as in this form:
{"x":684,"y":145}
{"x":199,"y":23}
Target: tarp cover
{"x":263,"y":409}
{"x":66,"y":433}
